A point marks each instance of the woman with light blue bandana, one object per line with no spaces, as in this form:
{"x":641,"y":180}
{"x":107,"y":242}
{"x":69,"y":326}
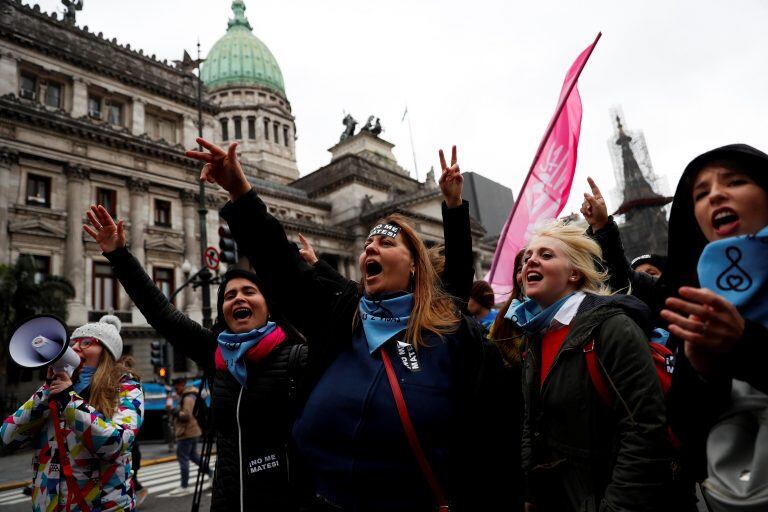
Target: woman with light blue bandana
{"x":579,"y":453}
{"x":394,"y":330}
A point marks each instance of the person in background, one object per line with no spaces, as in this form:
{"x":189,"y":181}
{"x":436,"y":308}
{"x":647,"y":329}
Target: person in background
{"x":651,"y":264}
{"x":480,"y":305}
{"x":100,"y":410}
{"x":187,"y":432}
{"x":579,"y":453}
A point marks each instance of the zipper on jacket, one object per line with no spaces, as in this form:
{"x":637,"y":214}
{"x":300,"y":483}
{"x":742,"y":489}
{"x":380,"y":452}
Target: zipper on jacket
{"x":240,"y":447}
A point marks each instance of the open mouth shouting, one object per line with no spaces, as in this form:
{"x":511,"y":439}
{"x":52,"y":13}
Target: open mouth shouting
{"x":242,"y":313}
{"x":725,"y":221}
{"x":372,"y":269}
{"x":533,"y":277}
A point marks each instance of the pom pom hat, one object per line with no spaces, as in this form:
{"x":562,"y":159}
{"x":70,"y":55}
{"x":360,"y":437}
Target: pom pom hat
{"x":107,"y":331}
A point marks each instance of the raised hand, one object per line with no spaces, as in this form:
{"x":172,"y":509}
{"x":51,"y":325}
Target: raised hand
{"x":709,"y":325}
{"x":451,"y":181}
{"x":221,"y":167}
{"x":593,"y":208}
{"x":306,"y":251}
{"x":108,"y":235}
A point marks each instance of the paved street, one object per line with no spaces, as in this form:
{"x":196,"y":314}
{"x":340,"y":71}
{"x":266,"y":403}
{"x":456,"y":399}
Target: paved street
{"x":159,"y":480}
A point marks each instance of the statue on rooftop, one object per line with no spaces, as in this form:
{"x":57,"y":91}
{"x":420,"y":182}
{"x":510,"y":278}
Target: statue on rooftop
{"x":377,"y":129}
{"x":368,"y":125}
{"x":350,"y":123}
{"x":72,"y":7}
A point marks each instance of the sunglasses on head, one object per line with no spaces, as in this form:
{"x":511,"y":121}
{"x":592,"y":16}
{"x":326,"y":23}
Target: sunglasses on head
{"x":84,"y":342}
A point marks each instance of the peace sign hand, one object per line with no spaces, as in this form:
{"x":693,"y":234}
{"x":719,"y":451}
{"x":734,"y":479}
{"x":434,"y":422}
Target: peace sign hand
{"x":451,"y":181}
{"x":108,"y":235}
{"x":307,"y":252}
{"x":593,"y":208}
{"x":221,"y":167}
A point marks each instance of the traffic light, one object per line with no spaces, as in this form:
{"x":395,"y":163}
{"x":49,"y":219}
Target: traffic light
{"x":162,"y":372}
{"x":227,"y":246}
{"x":157,"y":354}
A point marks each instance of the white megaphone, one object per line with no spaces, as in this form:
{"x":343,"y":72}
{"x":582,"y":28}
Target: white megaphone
{"x":42,"y":341}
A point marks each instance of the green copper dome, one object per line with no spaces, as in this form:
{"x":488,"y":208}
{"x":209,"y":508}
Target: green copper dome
{"x":239,"y":58}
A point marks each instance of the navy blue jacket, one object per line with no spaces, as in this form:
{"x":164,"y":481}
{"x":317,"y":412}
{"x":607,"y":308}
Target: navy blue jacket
{"x":349,"y":433}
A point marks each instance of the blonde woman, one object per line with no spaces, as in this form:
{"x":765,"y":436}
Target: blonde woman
{"x":578,"y":453}
{"x":397,"y":319}
{"x":99,"y":411}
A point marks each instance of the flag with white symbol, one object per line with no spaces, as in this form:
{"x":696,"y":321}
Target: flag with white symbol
{"x":548,"y":184}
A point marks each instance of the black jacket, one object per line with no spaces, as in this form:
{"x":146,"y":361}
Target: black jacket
{"x":577,"y":454}
{"x":327,"y":308}
{"x":694,"y":403}
{"x":252,"y":424}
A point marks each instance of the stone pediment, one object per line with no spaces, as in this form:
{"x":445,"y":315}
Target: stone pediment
{"x":37,"y":227}
{"x":164,"y":244}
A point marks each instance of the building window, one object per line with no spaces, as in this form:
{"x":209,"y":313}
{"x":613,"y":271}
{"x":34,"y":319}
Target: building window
{"x":224,"y":128}
{"x":104,"y":287}
{"x":276,"y":129}
{"x":159,"y":127}
{"x":251,"y":127}
{"x":38,"y":190}
{"x":238,"y":128}
{"x":266,"y":128}
{"x":42,"y":266}
{"x":53,"y":95}
{"x":94,"y":107}
{"x":163,"y":278}
{"x":285,"y":136}
{"x":108,"y":199}
{"x":162,"y":213}
{"x":115,"y":113}
{"x":28,"y":87}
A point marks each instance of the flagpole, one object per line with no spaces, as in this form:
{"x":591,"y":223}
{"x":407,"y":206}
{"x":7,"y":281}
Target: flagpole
{"x":413,"y":149}
{"x":543,"y":142}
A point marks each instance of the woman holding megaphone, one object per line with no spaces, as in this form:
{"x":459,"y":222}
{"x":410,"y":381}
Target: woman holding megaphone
{"x":83,"y":427}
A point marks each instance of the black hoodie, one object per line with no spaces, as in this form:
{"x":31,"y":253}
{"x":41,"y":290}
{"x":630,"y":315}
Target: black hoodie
{"x":694,"y":403}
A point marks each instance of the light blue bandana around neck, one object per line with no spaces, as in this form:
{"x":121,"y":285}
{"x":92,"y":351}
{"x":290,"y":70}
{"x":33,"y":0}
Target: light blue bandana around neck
{"x":84,"y":377}
{"x":382,"y":319}
{"x":234,"y":347}
{"x":531,"y":318}
{"x":737,"y":269}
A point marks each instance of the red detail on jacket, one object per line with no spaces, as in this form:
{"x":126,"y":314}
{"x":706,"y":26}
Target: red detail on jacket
{"x":550,"y":346}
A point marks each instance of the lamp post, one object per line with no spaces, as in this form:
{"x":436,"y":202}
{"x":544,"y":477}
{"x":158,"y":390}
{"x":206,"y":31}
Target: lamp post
{"x":204,"y":274}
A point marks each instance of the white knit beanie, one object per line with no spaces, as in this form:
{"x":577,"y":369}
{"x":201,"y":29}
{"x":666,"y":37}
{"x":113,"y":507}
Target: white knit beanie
{"x":107,"y":331}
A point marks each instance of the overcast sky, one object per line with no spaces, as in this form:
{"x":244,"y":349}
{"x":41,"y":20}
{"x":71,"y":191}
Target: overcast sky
{"x":486,"y":74}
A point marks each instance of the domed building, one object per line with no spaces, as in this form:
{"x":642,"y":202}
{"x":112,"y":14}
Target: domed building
{"x":244,"y":80}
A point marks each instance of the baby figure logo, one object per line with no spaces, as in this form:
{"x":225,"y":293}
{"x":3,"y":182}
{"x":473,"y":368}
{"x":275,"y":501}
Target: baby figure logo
{"x":734,"y":278}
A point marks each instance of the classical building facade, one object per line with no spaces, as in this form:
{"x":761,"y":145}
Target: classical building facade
{"x":86,"y":120}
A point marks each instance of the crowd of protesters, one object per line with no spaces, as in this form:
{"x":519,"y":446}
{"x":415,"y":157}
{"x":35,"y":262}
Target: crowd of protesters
{"x":598,"y":384}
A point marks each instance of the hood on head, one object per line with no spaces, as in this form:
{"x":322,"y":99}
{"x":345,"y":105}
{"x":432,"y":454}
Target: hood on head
{"x":686,"y":240}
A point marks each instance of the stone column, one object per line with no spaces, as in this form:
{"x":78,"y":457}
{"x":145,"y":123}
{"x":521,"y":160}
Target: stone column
{"x":191,"y":248}
{"x":9,"y":74}
{"x":74,"y":256}
{"x":8,"y":158}
{"x":189,"y":132}
{"x":138,"y":216}
{"x":79,"y":98}
{"x":138,"y":117}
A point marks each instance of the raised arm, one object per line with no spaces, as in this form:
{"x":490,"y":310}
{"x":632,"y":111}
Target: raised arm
{"x":459,"y":269}
{"x":605,"y":232}
{"x":187,"y":336}
{"x":284,"y":276}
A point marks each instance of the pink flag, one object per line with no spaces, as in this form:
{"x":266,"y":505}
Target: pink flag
{"x":548,"y":184}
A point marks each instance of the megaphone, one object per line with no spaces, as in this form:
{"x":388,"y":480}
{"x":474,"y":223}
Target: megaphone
{"x":42,"y":341}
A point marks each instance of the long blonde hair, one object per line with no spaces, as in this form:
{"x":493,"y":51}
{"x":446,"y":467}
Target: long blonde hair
{"x":582,"y":252}
{"x":433,"y":309}
{"x":105,"y":386}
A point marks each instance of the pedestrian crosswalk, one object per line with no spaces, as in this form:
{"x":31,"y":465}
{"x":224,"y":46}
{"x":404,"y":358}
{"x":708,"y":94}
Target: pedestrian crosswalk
{"x":159,"y":480}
